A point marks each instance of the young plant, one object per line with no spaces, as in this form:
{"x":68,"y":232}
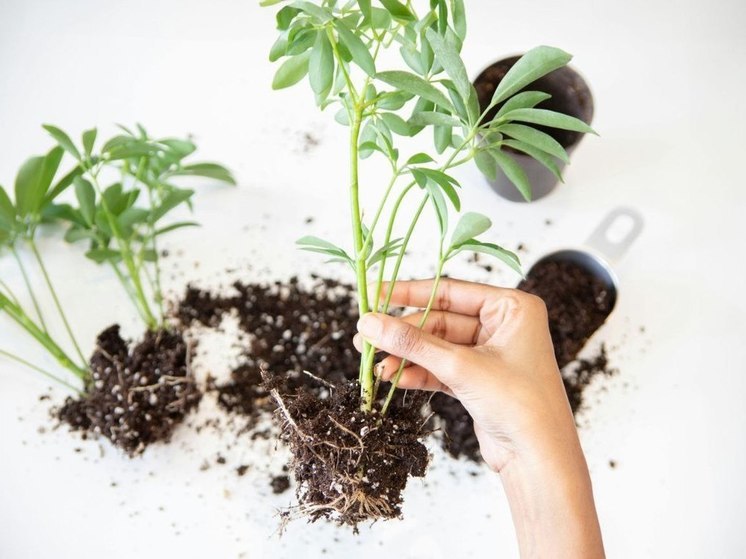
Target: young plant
{"x":341,"y":46}
{"x":35,"y":192}
{"x":122,"y":233}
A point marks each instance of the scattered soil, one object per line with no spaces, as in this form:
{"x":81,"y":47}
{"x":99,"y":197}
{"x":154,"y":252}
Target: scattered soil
{"x":350,"y":466}
{"x":280,"y":484}
{"x":138,"y":394}
{"x":292,"y":328}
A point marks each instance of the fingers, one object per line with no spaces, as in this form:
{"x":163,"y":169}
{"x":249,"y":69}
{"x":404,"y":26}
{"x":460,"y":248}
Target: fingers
{"x":404,"y":340}
{"x":413,"y":377}
{"x":452,"y":327}
{"x":453,"y":295}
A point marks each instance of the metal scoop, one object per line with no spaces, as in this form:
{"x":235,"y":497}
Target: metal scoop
{"x":606,"y":245}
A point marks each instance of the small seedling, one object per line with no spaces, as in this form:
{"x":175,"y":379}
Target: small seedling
{"x":343,"y":47}
{"x":121,"y":232}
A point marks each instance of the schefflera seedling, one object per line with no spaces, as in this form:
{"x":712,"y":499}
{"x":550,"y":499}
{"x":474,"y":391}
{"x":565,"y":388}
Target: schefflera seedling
{"x":353,"y":454}
{"x":132,"y":395}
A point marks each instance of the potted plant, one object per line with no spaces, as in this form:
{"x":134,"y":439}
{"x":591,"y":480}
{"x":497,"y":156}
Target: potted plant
{"x":132,"y":395}
{"x":567,"y":93}
{"x":354,"y":451}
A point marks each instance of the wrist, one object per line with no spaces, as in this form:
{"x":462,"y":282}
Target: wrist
{"x":551,"y":500}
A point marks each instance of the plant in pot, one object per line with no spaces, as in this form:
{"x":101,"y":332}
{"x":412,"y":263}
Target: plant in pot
{"x":354,"y":451}
{"x":566,"y":93}
{"x":132,"y":395}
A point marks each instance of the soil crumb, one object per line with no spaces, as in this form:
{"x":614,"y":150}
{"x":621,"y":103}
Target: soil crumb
{"x":138,"y":394}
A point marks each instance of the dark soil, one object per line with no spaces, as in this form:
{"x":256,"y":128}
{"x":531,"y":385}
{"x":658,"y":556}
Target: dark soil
{"x":351,"y":466}
{"x":138,"y":394}
{"x":292,"y":328}
{"x":578,"y":304}
{"x":570,"y":95}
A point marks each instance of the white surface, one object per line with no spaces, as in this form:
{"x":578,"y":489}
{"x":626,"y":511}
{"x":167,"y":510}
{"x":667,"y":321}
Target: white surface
{"x":668,"y":80}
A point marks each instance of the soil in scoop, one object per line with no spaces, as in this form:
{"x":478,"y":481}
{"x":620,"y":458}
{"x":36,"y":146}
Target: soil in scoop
{"x":138,"y":395}
{"x":577,"y":304}
{"x":351,"y":466}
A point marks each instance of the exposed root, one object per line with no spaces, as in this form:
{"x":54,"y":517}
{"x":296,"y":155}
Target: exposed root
{"x":351,"y":466}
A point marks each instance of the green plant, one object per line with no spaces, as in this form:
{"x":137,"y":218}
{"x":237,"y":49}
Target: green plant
{"x":121,"y":233}
{"x":340,"y":45}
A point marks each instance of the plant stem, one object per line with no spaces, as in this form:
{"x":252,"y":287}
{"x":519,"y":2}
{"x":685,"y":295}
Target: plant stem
{"x":366,"y":377}
{"x":39,"y":370}
{"x":129,"y":289}
{"x":46,"y":341}
{"x":53,"y":292}
{"x":126,"y":250}
{"x":423,"y":320}
{"x":29,"y":288}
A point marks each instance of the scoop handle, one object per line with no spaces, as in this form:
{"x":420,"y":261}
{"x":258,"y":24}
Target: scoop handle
{"x":610,"y":246}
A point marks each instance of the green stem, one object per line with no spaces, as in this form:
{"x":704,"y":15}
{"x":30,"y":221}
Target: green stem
{"x":127,"y":258}
{"x":39,"y":370}
{"x":366,"y":377}
{"x":156,"y":263}
{"x":53,"y":292}
{"x":29,"y":288}
{"x":129,"y":289}
{"x":423,"y":320}
{"x":46,"y":341}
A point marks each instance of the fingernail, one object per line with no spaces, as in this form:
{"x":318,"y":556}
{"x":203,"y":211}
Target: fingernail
{"x":370,"y":326}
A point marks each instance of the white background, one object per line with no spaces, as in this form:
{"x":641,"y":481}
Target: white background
{"x":668,"y":79}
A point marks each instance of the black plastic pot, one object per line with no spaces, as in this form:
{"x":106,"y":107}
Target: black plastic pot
{"x":570,"y":95}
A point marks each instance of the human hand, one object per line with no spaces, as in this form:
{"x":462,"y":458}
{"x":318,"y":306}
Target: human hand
{"x":491,"y":348}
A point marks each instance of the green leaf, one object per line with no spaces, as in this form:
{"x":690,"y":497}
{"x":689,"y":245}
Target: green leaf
{"x":28,"y":187}
{"x":523,"y":100}
{"x":444,"y":182}
{"x":419,"y":158}
{"x":397,"y":124}
{"x":540,"y":156}
{"x":493,"y":250}
{"x":411,"y":83}
{"x":535,"y":138}
{"x":63,"y":140}
{"x":487,"y":164}
{"x":321,"y":65}
{"x":208,"y":170}
{"x":530,"y":67}
{"x":174,"y":197}
{"x":385,"y":251}
{"x":62,"y":185}
{"x":285,"y":17}
{"x":398,"y":10}
{"x":458,"y":15}
{"x":450,"y":59}
{"x":514,"y":172}
{"x":175,"y":226}
{"x":360,"y":53}
{"x":76,"y":234}
{"x":101,"y":255}
{"x":279,"y":48}
{"x":365,"y":8}
{"x":470,"y":225}
{"x":443,"y":136}
{"x":7,"y":211}
{"x":315,"y":244}
{"x":434,"y":119}
{"x":291,"y":71}
{"x":552,"y":119}
{"x":411,"y":57}
{"x":300,"y":41}
{"x":321,"y":14}
{"x":89,"y":139}
{"x":86,"y":195}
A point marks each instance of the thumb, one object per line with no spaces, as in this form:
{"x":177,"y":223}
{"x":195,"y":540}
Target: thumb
{"x":398,"y":338}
